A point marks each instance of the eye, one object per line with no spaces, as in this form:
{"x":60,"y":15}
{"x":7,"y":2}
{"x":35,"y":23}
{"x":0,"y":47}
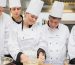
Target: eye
{"x":34,"y":16}
{"x":18,"y":8}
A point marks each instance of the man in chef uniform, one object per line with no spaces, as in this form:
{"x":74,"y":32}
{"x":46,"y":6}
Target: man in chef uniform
{"x":5,"y":20}
{"x":54,"y":36}
{"x":23,"y":42}
{"x":71,"y":46}
{"x":17,"y":19}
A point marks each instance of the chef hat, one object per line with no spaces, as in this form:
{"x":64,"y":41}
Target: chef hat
{"x":14,"y":3}
{"x":57,"y":9}
{"x":35,"y":7}
{"x":3,"y":3}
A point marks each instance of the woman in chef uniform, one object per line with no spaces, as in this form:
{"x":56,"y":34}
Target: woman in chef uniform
{"x":54,"y":36}
{"x":5,"y":20}
{"x":71,"y":46}
{"x":23,"y":43}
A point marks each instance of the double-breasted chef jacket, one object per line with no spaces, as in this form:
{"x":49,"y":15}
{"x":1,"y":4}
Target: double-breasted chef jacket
{"x":24,"y":40}
{"x":54,"y":42}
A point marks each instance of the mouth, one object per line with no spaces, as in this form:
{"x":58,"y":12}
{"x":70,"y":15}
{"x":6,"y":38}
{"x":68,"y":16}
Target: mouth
{"x":16,"y":14}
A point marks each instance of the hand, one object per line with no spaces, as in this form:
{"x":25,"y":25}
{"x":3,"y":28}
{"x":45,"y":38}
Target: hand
{"x":24,"y":58}
{"x":45,"y":64}
{"x":41,"y":57}
{"x":66,"y":62}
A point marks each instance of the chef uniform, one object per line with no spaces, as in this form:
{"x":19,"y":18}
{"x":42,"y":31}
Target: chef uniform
{"x":14,"y":3}
{"x":25,"y":41}
{"x":71,"y":46}
{"x":54,"y":41}
{"x":5,"y":21}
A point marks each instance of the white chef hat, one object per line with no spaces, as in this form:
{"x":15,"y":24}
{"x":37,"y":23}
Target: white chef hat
{"x":57,"y":9}
{"x":3,"y":3}
{"x":14,"y":3}
{"x":35,"y":7}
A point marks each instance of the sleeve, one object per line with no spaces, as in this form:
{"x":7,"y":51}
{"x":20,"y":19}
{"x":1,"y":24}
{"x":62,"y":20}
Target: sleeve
{"x":13,"y":46}
{"x":42,"y":41}
{"x":42,"y":44}
{"x":7,"y":21}
{"x":67,"y":39}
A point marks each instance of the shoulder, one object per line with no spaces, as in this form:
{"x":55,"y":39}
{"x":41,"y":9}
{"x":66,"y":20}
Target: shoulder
{"x":63,"y":27}
{"x":73,"y":29}
{"x":7,"y":18}
{"x":6,"y":15}
{"x":45,"y":28}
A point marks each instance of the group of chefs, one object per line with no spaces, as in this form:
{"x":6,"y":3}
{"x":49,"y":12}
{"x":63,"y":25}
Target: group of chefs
{"x":21,"y":38}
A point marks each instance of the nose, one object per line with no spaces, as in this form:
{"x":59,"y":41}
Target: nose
{"x":34,"y":19}
{"x":16,"y":10}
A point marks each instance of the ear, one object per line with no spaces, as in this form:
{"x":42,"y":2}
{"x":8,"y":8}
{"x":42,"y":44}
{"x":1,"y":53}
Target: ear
{"x":25,"y":14}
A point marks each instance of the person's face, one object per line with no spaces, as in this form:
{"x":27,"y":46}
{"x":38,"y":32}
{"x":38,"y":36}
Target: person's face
{"x":15,"y":11}
{"x":31,"y":19}
{"x":53,"y":22}
{"x":1,"y":10}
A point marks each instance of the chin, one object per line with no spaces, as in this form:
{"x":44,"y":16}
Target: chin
{"x":0,"y":14}
{"x":31,"y":23}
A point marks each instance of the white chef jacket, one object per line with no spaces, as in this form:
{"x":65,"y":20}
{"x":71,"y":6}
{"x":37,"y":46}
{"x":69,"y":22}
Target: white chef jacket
{"x":15,"y":26}
{"x":54,"y":42}
{"x":24,"y":41}
{"x":71,"y":44}
{"x":5,"y":21}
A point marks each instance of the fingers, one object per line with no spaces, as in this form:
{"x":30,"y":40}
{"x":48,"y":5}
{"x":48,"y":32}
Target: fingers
{"x":24,"y":58}
{"x":41,"y":57}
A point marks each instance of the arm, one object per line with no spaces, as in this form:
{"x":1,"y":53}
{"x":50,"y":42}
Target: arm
{"x":14,"y":48}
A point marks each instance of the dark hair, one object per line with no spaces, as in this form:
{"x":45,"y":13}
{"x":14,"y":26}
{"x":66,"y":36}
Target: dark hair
{"x":10,"y":64}
{"x":41,"y":50}
{"x":53,"y":17}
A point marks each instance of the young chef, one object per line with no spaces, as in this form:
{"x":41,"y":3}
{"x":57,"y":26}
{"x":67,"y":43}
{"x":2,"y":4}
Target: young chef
{"x":23,"y":42}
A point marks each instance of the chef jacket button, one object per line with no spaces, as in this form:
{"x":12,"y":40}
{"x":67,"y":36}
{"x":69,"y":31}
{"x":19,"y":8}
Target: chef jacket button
{"x":51,"y":58}
{"x":56,"y":58}
{"x":50,"y":43}
{"x":56,"y":43}
{"x":23,"y":37}
{"x":57,"y":50}
{"x":5,"y":31}
{"x":32,"y":29}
